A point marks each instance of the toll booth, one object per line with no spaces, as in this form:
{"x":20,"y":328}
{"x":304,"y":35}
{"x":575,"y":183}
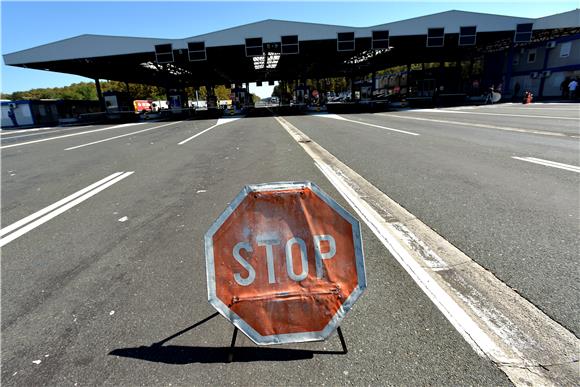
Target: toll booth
{"x":301,"y":95}
{"x":366,"y":92}
{"x":117,"y":102}
{"x":28,"y":113}
{"x":242,"y":99}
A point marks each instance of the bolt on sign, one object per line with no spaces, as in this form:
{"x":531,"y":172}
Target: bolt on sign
{"x":284,"y":263}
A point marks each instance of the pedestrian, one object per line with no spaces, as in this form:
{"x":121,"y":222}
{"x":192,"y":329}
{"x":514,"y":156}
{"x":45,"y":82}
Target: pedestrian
{"x":572,"y":88}
{"x":564,"y":88}
{"x":435,"y":97}
{"x":489,"y":97}
{"x":517,"y":89}
{"x":12,"y":116}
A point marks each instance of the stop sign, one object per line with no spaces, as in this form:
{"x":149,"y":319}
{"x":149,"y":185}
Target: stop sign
{"x":284,"y":263}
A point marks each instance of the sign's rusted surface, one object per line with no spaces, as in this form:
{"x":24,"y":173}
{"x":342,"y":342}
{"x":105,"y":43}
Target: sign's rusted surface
{"x":284,"y":263}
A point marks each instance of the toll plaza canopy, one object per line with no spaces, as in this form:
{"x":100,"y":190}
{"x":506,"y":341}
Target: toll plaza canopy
{"x":284,"y":50}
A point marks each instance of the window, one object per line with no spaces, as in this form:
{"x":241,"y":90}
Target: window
{"x":565,"y":49}
{"x":435,"y":37}
{"x":531,"y":56}
{"x":290,"y":44}
{"x":164,"y":53}
{"x":380,"y":39}
{"x":467,"y":36}
{"x":196,"y":51}
{"x":254,"y":47}
{"x":523,"y":33}
{"x":345,"y":41}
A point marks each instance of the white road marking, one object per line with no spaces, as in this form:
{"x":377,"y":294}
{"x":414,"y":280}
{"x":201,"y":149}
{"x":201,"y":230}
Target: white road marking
{"x":4,"y":132}
{"x":487,"y":126}
{"x":46,"y":210}
{"x":498,"y":323}
{"x":31,"y":222}
{"x":548,"y":163}
{"x":120,"y":136}
{"x":220,"y":121}
{"x":69,"y":135}
{"x":520,"y":106}
{"x":546,"y":109}
{"x":5,"y":138}
{"x":337,"y":117}
{"x":496,"y":114}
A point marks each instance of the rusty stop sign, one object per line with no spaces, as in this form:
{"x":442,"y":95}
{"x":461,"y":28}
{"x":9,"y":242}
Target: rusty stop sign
{"x":284,"y":263}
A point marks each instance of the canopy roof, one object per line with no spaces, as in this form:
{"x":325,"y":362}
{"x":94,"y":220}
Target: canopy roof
{"x":134,"y":59}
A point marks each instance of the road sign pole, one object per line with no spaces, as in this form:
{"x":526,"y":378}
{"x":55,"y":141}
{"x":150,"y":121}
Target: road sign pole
{"x":235,"y":336}
{"x":233,"y":345}
{"x":342,"y":341}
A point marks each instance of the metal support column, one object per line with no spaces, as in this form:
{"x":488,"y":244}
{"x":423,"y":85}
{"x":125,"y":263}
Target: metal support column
{"x":547,"y":52}
{"x":100,"y":95}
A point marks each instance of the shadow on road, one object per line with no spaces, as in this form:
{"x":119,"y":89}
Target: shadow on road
{"x":178,"y":354}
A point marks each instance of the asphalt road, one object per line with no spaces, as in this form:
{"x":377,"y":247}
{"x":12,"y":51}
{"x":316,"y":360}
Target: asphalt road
{"x":87,"y":295}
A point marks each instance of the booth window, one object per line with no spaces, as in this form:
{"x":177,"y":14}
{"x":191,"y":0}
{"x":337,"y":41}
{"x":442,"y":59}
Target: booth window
{"x":196,"y":51}
{"x":467,"y":36}
{"x":254,"y":47}
{"x":345,"y":41}
{"x":290,"y":44}
{"x":523,"y":33}
{"x":435,"y":37}
{"x":164,"y":53}
{"x":380,"y":39}
{"x":532,"y":56}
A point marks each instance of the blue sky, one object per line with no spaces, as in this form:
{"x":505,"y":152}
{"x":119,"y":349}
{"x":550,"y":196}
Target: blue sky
{"x":28,"y":24}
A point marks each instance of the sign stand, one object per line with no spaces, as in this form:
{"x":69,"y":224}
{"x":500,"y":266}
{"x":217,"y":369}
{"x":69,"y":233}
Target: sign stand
{"x":235,"y":336}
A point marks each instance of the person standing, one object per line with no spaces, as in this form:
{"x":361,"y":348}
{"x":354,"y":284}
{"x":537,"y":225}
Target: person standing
{"x":12,"y":116}
{"x":517,"y":89}
{"x":572,"y":88}
{"x":564,"y":88}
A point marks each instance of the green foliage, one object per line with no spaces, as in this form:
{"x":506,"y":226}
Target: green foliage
{"x":88,"y":91}
{"x":256,"y":98}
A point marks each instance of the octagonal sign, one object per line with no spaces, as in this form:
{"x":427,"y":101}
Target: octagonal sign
{"x":284,"y":263}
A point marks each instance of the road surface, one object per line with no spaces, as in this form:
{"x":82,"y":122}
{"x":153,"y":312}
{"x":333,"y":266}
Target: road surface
{"x":92,"y":286}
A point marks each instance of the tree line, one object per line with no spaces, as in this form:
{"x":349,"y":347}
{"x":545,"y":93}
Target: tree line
{"x":88,"y":91}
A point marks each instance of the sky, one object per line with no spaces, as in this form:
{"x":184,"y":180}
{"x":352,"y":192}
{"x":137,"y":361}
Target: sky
{"x":27,"y":24}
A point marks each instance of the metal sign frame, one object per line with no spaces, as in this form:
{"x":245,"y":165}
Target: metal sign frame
{"x":290,"y":337}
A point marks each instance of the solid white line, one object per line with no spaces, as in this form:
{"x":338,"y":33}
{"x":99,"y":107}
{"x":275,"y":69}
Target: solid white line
{"x":337,"y":117}
{"x":4,"y":132}
{"x":498,"y":323}
{"x":198,"y":134}
{"x":478,"y":340}
{"x":122,"y":135}
{"x":53,"y":206}
{"x":495,"y":114}
{"x":464,"y":324}
{"x":546,"y":109}
{"x":30,"y":226}
{"x":220,"y":121}
{"x":4,"y":137}
{"x":487,"y":126}
{"x":69,"y":135}
{"x":548,"y":163}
